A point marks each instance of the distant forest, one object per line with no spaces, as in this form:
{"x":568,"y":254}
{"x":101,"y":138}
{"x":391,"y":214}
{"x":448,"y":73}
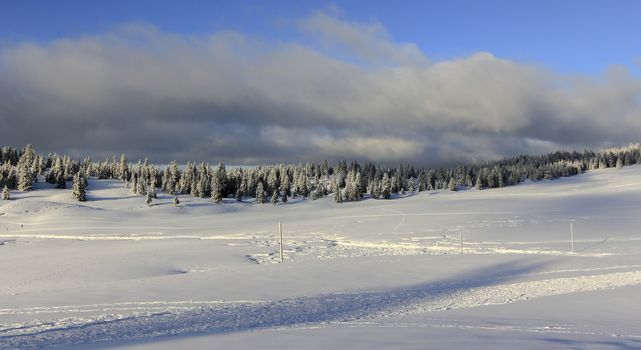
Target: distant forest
{"x":344,"y":181}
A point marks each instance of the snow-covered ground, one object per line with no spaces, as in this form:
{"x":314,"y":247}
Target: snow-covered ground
{"x":112,"y":272}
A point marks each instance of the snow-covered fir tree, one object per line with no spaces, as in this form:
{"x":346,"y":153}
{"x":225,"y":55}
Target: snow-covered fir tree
{"x":284,"y":197}
{"x":260,"y":193}
{"x":385,"y":187}
{"x":338,"y":195}
{"x":619,"y":163}
{"x":452,"y":185}
{"x":79,"y":187}
{"x":148,"y":199}
{"x":219,"y":183}
{"x":273,"y":180}
{"x":151,"y":189}
{"x":5,"y":193}
{"x":479,"y":183}
{"x":123,"y":169}
{"x":133,"y":184}
{"x":285,"y":182}
{"x":411,"y":185}
{"x":275,"y":197}
{"x":26,"y":177}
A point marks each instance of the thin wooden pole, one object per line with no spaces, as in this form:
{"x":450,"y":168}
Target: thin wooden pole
{"x":461,"y":240}
{"x":280,"y":232}
{"x":572,"y":236}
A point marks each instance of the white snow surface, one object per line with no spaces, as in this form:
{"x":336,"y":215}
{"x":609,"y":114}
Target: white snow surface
{"x":376,"y":274}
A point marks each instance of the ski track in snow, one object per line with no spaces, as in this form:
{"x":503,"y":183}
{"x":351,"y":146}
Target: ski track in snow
{"x":148,"y":320}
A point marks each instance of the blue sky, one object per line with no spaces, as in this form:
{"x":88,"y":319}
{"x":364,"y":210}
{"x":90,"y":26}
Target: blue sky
{"x":569,"y":36}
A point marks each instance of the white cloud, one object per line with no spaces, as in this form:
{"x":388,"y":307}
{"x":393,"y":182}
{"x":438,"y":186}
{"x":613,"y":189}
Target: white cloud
{"x":235,"y":98}
{"x":368,"y":41}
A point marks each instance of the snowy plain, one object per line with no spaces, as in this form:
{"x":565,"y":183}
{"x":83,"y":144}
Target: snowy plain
{"x":114,"y":273}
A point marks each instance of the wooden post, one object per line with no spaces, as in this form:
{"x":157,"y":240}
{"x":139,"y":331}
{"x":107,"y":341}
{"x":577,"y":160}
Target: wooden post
{"x":572,"y":236}
{"x":280,"y":232}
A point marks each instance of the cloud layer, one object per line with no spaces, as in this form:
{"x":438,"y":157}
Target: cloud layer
{"x":352,"y":93}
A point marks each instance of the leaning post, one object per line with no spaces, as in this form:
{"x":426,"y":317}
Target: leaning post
{"x":280,"y":232}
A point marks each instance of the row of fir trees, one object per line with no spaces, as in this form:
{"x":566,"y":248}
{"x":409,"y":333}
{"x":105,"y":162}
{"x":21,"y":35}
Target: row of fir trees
{"x":20,"y":169}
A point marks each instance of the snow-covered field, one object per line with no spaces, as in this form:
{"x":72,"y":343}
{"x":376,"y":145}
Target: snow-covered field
{"x":112,"y":272}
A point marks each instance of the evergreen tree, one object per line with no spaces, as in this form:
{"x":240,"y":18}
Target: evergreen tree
{"x":219,"y":183}
{"x":5,"y":193}
{"x":452,"y":184}
{"x":148,"y":199}
{"x":302,"y":184}
{"x":619,"y":164}
{"x":239,"y":195}
{"x":134,"y":183}
{"x":187,"y":179}
{"x":275,"y":197}
{"x":25,"y":182}
{"x":285,"y":182}
{"x":284,"y":197}
{"x":273,"y":181}
{"x":152,"y":190}
{"x":338,"y":195}
{"x":174,"y":177}
{"x":375,"y":189}
{"x":123,"y":169}
{"x":260,"y":193}
{"x":479,"y":183}
{"x":411,"y":185}
{"x":25,"y":173}
{"x":79,"y":187}
{"x":385,"y":187}
{"x":61,"y":181}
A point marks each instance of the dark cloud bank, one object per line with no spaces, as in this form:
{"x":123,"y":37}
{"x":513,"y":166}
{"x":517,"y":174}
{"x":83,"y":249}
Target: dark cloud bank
{"x":229,"y":97}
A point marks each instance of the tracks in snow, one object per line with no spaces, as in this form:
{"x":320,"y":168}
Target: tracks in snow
{"x":129,"y":321}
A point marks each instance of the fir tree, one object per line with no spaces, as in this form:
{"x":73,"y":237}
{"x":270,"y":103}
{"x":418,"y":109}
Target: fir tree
{"x":123,"y":168}
{"x":452,"y":184}
{"x":79,"y":187}
{"x":285,"y":183}
{"x":134,"y":183}
{"x":479,"y":183}
{"x":385,"y":187}
{"x":152,"y":190}
{"x":619,"y":164}
{"x":218,"y":183}
{"x":239,"y":195}
{"x":61,"y":182}
{"x":25,"y":173}
{"x":338,"y":195}
{"x":5,"y":193}
{"x":275,"y":197}
{"x":273,"y":181}
{"x":411,"y":185}
{"x":25,"y":182}
{"x":260,"y":193}
{"x":148,"y":199}
{"x":284,"y":197}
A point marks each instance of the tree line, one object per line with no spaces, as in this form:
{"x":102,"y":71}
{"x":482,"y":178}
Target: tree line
{"x":344,"y":181}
